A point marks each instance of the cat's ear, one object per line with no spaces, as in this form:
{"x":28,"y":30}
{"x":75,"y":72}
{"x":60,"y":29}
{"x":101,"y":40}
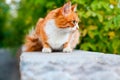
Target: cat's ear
{"x":74,"y":8}
{"x":66,"y":9}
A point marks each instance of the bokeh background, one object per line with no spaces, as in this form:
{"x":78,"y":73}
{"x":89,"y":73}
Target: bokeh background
{"x":99,"y":26}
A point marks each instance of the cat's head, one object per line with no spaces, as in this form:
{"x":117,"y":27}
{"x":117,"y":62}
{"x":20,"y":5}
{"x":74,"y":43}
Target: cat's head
{"x":67,"y":17}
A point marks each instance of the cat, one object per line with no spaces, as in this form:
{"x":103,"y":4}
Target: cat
{"x":59,"y":30}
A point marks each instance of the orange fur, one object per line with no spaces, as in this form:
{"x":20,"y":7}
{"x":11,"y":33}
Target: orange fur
{"x":64,"y":17}
{"x":33,"y":44}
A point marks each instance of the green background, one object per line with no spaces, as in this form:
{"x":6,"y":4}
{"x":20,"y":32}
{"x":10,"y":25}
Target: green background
{"x":99,"y":25}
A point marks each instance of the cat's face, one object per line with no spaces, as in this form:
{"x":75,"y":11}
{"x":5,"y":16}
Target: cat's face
{"x":67,"y":17}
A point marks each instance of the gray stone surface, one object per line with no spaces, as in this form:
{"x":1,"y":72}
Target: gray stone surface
{"x":79,"y":65}
{"x":8,"y":66}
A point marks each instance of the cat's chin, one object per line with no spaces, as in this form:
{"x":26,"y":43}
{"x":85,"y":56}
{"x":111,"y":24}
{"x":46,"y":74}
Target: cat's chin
{"x":66,"y":29}
{"x":69,"y":30}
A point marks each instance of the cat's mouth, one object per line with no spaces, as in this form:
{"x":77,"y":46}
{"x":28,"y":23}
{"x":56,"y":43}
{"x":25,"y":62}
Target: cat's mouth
{"x":77,"y":28}
{"x":69,"y":30}
{"x":74,"y":28}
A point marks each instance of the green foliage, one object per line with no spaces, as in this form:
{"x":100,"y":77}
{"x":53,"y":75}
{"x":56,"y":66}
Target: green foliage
{"x":4,"y":8}
{"x":99,"y":26}
{"x":28,"y":12}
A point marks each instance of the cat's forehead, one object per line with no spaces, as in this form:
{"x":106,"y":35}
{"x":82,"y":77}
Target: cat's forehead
{"x":73,"y":16}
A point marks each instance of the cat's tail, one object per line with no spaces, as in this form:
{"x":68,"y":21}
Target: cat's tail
{"x":32,"y":42}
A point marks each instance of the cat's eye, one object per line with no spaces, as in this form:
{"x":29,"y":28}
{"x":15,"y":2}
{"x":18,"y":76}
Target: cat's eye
{"x":68,"y":26}
{"x":74,"y":21}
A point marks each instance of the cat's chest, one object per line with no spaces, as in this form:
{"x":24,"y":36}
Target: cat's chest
{"x":56,"y":37}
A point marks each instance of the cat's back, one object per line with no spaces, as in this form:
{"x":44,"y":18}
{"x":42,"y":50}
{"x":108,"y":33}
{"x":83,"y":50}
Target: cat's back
{"x":52,"y":14}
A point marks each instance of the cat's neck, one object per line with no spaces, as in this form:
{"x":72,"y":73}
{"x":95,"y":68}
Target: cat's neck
{"x":56,"y":36}
{"x":52,"y":27}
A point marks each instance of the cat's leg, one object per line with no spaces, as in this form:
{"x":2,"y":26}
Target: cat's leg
{"x":46,"y":48}
{"x":43,"y":37}
{"x":67,"y":48}
{"x":74,"y":39}
{"x":72,"y":42}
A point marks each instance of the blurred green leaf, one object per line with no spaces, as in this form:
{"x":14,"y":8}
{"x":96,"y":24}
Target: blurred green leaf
{"x":99,"y":26}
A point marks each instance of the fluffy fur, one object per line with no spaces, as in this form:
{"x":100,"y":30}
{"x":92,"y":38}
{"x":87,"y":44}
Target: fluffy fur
{"x":57,"y":31}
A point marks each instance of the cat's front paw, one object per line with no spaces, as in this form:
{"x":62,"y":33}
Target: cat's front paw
{"x":67,"y":50}
{"x":46,"y":50}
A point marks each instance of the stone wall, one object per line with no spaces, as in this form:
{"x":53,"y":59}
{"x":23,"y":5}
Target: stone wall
{"x":9,"y":69}
{"x":79,"y":65}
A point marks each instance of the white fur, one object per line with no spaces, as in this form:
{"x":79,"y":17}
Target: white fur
{"x":56,"y":36}
{"x":46,"y":50}
{"x":23,"y":48}
{"x":31,"y":32}
{"x":67,"y":49}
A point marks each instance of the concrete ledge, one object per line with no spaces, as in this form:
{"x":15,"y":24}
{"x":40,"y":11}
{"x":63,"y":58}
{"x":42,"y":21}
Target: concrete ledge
{"x":79,"y":65}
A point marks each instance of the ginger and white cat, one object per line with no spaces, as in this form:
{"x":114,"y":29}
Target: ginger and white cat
{"x":57,"y":31}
